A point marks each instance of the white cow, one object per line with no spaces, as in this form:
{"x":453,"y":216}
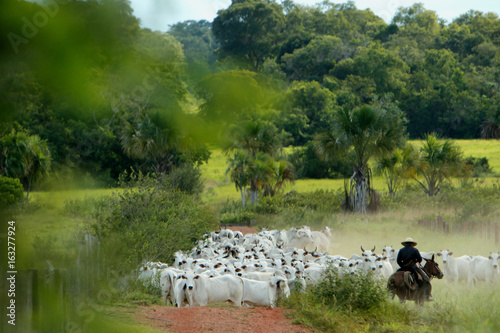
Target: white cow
{"x":300,"y":238}
{"x":167,"y":284}
{"x":321,"y":239}
{"x":455,"y":269}
{"x":264,"y":293}
{"x":149,"y":274}
{"x":367,"y":253}
{"x":384,"y":267}
{"x":392,"y":256}
{"x":484,"y":269}
{"x":201,"y":290}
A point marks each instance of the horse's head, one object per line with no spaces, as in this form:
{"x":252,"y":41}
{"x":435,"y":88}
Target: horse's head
{"x":432,"y":268}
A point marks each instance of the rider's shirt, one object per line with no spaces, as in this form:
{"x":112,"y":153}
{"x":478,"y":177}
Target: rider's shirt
{"x":408,"y":255}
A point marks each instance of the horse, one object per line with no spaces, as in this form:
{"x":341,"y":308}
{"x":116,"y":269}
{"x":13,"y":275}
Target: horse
{"x":411,"y":292}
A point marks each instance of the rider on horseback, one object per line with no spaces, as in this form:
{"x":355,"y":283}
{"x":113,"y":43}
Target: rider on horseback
{"x":408,"y":257}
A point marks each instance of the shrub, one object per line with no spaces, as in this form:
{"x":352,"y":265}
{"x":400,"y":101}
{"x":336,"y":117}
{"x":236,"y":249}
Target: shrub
{"x":307,"y":164}
{"x":11,"y":193}
{"x":351,"y":292}
{"x":186,"y":178}
{"x":480,"y":165}
{"x":147,"y":221}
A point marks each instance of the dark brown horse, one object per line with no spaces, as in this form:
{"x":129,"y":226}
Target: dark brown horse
{"x":407,"y":292}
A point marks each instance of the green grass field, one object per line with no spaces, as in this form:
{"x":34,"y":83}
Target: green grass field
{"x":220,"y":189}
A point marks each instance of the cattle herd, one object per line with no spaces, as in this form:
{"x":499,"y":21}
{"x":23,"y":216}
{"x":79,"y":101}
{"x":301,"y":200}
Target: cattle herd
{"x":256,"y":269}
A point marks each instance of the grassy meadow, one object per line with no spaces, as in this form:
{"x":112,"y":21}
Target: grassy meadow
{"x":49,"y":229}
{"x":220,"y":189}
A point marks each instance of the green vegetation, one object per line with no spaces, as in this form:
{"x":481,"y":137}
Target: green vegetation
{"x":11,"y":193}
{"x":147,"y":221}
{"x":91,"y":102}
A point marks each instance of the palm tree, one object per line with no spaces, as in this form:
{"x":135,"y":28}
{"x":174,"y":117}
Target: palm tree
{"x":254,"y":143}
{"x":36,"y":162}
{"x":282,"y":173}
{"x":361,"y":134}
{"x":260,"y":170}
{"x":237,"y":170}
{"x":156,"y":138}
{"x":397,"y":166}
{"x":438,"y":160}
{"x":253,"y":136}
{"x":24,"y":156}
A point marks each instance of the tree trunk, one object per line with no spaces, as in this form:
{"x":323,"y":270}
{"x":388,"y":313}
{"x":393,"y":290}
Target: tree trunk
{"x":359,"y":192}
{"x":253,"y":196}
{"x":28,"y":192}
{"x":242,"y":190}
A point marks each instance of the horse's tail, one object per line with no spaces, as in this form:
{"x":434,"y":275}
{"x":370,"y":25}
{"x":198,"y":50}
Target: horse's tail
{"x":391,"y":285}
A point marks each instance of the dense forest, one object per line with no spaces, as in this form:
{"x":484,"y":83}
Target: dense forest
{"x":85,"y":91}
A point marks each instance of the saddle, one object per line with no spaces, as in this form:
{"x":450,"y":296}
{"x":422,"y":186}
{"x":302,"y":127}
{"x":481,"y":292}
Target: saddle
{"x":410,"y":281}
{"x":411,"y":278}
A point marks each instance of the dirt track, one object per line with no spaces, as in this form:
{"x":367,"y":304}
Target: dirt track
{"x":218,"y":319}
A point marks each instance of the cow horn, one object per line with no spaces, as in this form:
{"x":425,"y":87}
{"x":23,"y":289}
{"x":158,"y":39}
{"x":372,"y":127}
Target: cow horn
{"x":363,"y":250}
{"x":373,"y":248}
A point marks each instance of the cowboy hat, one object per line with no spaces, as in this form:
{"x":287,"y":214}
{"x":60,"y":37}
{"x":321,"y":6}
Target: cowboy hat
{"x":409,"y":240}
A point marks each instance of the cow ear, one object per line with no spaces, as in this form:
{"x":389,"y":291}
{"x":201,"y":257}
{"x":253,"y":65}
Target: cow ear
{"x":196,"y":277}
{"x":439,"y":254}
{"x":384,"y":258}
{"x":490,"y":257}
{"x":366,"y":259}
{"x":451,"y":253}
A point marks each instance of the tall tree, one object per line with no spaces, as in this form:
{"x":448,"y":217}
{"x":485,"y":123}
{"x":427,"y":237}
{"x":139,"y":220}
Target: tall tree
{"x":361,"y":134}
{"x":248,"y":31}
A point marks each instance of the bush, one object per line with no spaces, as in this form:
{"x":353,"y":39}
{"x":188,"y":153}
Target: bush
{"x":186,"y":178}
{"x":307,"y":164}
{"x":351,"y":292}
{"x":11,"y":193}
{"x":480,"y":165}
{"x":147,"y":221}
